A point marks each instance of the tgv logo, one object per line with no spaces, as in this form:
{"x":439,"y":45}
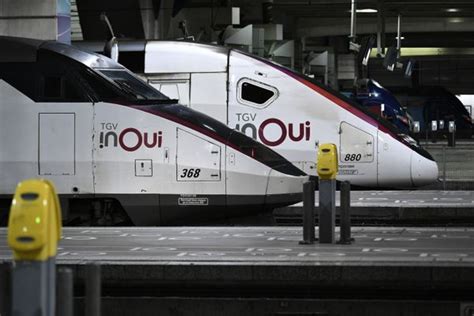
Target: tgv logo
{"x":129,"y":139}
{"x":272,"y":131}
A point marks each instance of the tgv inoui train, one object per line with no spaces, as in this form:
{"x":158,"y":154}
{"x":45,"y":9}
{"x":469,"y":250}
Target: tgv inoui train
{"x":110,"y":141}
{"x":287,"y":111}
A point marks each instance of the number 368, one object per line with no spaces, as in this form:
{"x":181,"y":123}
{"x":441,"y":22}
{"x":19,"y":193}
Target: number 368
{"x":190,"y":173}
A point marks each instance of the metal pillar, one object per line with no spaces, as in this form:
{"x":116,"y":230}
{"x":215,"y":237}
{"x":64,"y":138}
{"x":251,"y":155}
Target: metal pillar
{"x":64,"y":302}
{"x":452,"y":134}
{"x":444,"y":168}
{"x":345,"y":217}
{"x":308,"y":213}
{"x":327,"y":211}
{"x":399,"y":34}
{"x":93,"y":290}
{"x":33,"y":287}
{"x":353,"y":20}
{"x":380,"y":29}
{"x":5,"y":289}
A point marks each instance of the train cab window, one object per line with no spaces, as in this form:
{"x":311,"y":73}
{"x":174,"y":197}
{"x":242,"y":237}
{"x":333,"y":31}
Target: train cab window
{"x":254,"y":93}
{"x":52,"y":87}
{"x":132,"y":86}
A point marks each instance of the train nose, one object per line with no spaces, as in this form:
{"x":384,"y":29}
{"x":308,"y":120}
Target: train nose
{"x":424,"y":171}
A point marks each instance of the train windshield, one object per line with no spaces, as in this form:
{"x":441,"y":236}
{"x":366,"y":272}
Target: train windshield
{"x":132,"y":86}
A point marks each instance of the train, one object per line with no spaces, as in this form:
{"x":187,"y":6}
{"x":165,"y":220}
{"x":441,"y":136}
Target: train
{"x":282,"y":109}
{"x":435,"y":103}
{"x":118,"y":150}
{"x":378,"y":100}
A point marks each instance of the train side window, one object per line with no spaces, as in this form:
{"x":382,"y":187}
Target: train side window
{"x":21,"y":76}
{"x":254,"y":93}
{"x":60,"y":88}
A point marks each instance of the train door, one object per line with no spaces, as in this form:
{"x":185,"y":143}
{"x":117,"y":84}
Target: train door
{"x":57,"y":144}
{"x":199,"y":167}
{"x":356,"y":154}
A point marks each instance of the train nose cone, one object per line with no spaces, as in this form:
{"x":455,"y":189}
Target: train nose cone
{"x":423,"y":170}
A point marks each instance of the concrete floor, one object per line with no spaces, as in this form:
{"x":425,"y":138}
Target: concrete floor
{"x":265,"y":271}
{"x":256,"y":245}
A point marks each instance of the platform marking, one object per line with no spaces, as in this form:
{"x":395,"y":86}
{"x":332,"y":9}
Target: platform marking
{"x":101,"y":231}
{"x":274,"y":249}
{"x":326,"y":254}
{"x":146,"y":235}
{"x":413,"y":201}
{"x":248,"y":235}
{"x":288,"y":238}
{"x":205,"y":254}
{"x":88,"y":253}
{"x":447,"y":255}
{"x":400,"y":239}
{"x":80,"y":238}
{"x":390,"y":250}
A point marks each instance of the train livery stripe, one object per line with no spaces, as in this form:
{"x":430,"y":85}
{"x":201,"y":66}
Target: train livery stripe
{"x":188,"y":124}
{"x":337,"y":100}
{"x":284,"y":167}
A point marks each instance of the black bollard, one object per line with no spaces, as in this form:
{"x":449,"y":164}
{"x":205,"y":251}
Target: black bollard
{"x":345,"y":216}
{"x":327,"y":210}
{"x":5,"y":289}
{"x":452,"y":134}
{"x":65,"y":292}
{"x":93,"y":290}
{"x":308,"y":213}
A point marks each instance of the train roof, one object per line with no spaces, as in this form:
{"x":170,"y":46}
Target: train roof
{"x":186,"y":56}
{"x":18,"y":49}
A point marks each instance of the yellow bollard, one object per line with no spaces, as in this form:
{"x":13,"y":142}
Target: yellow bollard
{"x":327,"y":161}
{"x":34,"y":230}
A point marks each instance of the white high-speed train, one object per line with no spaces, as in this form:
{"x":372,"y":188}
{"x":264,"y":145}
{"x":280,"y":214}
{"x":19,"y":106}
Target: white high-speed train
{"x":286,"y":111}
{"x":109,"y":141}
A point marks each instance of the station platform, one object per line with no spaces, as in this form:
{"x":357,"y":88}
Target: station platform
{"x":266,"y":269}
{"x":425,"y":208}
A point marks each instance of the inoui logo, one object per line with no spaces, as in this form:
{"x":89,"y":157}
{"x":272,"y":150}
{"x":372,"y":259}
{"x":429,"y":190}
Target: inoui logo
{"x":129,"y":139}
{"x":272,"y":131}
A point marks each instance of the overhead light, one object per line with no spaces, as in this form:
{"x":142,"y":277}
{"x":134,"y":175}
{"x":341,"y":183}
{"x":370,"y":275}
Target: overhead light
{"x":366,"y":11}
{"x":452,"y":10}
{"x":455,"y":20}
